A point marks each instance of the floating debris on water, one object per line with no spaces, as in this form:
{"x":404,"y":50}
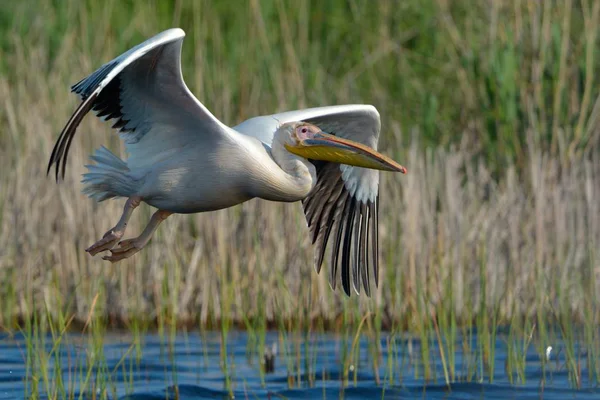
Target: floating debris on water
{"x":269,"y":358}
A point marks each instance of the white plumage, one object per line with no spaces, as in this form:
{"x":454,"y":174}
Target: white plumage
{"x":181,"y":159}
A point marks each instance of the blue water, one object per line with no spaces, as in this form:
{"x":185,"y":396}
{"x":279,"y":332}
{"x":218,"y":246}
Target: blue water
{"x":190,"y":367}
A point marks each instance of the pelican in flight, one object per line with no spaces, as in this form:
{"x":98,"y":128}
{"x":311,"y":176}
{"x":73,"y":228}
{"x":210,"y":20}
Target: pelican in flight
{"x":181,"y":159}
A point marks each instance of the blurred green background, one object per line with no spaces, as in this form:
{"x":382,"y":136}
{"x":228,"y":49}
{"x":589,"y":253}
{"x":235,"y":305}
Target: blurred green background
{"x":487,"y":70}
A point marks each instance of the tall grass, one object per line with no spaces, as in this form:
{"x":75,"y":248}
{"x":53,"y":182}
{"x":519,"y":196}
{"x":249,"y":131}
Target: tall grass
{"x":492,"y":107}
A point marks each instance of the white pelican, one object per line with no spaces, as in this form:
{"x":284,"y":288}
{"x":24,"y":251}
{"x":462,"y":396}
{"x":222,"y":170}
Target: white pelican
{"x":184,"y":160}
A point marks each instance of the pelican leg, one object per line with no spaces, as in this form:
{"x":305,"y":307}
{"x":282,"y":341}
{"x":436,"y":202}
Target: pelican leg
{"x":129,"y":247}
{"x":110,"y":238}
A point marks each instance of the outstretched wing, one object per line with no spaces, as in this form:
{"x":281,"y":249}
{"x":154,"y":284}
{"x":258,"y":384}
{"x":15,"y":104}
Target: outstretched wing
{"x":343,"y":206}
{"x":144,"y":92}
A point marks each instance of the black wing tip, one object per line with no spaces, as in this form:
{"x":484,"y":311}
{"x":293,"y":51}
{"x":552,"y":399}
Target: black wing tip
{"x":59,"y":152}
{"x":61,"y":148}
{"x":58,"y":176}
{"x":49,"y":168}
{"x":357,"y":276}
{"x":347,"y":290}
{"x":376,"y":239}
{"x":364,"y":244}
{"x":53,"y":161}
{"x":347,"y":245}
{"x":355,"y":248}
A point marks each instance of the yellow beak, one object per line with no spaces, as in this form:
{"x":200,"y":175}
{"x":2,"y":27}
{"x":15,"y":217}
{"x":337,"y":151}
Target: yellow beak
{"x":326,"y":147}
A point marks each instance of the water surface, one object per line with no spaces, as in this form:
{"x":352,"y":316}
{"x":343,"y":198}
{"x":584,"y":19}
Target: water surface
{"x":190,"y":366}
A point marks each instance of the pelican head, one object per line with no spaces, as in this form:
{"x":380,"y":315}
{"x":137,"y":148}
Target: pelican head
{"x":310,"y":142}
